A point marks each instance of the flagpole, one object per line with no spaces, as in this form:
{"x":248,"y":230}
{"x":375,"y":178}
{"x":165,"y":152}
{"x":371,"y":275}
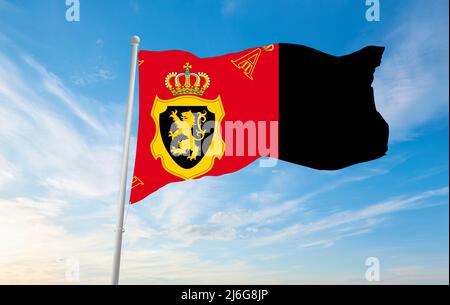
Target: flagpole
{"x":135,"y":40}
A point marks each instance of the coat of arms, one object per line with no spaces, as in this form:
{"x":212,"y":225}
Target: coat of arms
{"x":188,"y":137}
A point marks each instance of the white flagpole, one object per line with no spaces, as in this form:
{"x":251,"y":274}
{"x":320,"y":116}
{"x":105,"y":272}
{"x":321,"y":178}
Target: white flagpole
{"x":135,"y":40}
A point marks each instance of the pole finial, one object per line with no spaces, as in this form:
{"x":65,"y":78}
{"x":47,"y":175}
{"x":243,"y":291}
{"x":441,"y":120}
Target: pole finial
{"x":135,"y":39}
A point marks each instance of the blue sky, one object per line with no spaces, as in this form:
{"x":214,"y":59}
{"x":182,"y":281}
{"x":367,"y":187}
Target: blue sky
{"x":63,"y":89}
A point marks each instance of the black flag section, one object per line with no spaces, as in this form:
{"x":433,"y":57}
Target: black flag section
{"x":328,"y":118}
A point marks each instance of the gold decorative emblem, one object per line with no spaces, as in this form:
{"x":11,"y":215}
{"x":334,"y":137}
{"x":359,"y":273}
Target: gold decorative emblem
{"x":248,"y":62}
{"x":188,"y":137}
{"x":269,"y":48}
{"x":136,"y":182}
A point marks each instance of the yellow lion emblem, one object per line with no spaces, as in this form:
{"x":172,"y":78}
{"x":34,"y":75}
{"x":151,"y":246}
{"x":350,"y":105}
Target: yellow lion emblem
{"x":190,"y":133}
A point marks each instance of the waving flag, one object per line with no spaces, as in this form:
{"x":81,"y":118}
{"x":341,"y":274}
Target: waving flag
{"x":213,"y":116}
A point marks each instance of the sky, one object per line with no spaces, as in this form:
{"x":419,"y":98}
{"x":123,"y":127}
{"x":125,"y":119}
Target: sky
{"x":63,"y":89}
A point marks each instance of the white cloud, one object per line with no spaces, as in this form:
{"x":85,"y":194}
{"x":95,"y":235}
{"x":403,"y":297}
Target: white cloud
{"x":194,"y":211}
{"x":243,"y":217}
{"x":36,"y":245}
{"x":55,"y":86}
{"x":358,"y":229}
{"x":8,"y":172}
{"x":68,"y":160}
{"x":276,"y":211}
{"x":28,"y":240}
{"x":59,"y":155}
{"x":411,"y":87}
{"x":98,"y":74}
{"x":363,"y":218}
{"x":264,"y":197}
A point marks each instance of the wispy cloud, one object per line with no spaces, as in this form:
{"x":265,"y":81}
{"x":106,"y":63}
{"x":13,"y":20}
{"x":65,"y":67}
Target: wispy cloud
{"x":192,"y":212}
{"x":411,"y":88}
{"x":349,"y":231}
{"x":363,"y":217}
{"x":54,"y":145}
{"x":59,"y":155}
{"x":8,"y":172}
{"x":97,"y":75}
{"x":25,"y":254}
{"x":55,"y":87}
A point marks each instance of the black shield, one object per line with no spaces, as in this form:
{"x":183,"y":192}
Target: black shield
{"x":187,"y":132}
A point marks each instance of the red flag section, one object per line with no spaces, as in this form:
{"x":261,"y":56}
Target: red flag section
{"x":193,"y":111}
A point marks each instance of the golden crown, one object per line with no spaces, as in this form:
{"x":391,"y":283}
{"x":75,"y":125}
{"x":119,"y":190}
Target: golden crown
{"x":187,"y":82}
